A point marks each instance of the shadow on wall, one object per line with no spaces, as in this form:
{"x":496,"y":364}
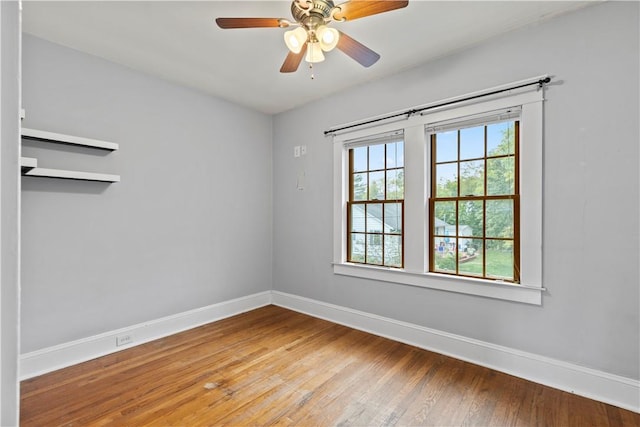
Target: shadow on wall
{"x":31,"y":145}
{"x":58,"y":185}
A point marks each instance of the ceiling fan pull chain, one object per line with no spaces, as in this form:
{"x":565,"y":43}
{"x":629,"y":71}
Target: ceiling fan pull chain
{"x":311,"y":71}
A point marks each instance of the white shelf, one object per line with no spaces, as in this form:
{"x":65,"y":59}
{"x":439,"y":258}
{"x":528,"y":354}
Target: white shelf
{"x":68,"y":139}
{"x":66,"y":174}
{"x":28,"y":163}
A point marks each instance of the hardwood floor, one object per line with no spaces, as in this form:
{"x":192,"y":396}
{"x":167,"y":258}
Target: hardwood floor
{"x":275,"y":366}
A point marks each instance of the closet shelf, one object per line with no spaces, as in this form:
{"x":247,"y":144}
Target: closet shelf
{"x":66,"y":174}
{"x":28,"y":163}
{"x":68,"y":139}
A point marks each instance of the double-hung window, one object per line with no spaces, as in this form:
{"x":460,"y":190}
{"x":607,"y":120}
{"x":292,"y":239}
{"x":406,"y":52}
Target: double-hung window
{"x":375,"y":204}
{"x":447,"y":199}
{"x":473,"y":208}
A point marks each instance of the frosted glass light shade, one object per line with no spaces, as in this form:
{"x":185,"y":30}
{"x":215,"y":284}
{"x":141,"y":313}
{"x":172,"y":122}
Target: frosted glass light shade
{"x":295,"y":39}
{"x":328,"y":37}
{"x":314,"y":53}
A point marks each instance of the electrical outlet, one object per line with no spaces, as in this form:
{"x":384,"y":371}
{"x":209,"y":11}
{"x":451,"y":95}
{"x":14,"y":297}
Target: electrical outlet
{"x":296,"y":151}
{"x":124,"y":340}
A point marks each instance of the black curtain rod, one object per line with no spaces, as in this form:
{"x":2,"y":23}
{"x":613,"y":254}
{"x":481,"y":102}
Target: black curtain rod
{"x":411,"y":112}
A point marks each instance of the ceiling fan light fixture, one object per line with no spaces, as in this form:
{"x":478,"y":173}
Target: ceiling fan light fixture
{"x":295,"y":39}
{"x":328,"y":37}
{"x":314,"y":53}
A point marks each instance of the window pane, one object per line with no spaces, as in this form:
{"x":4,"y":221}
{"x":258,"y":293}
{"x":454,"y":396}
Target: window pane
{"x":376,"y":157}
{"x":500,"y":218}
{"x":447,"y":180}
{"x":501,"y":176}
{"x":472,"y":178}
{"x":393,"y":218}
{"x":395,"y":154}
{"x":501,"y":138}
{"x":376,"y":185}
{"x":447,"y":146}
{"x":500,"y":259}
{"x":374,"y":249}
{"x":393,"y":250}
{"x":357,"y":247}
{"x":360,"y":186}
{"x":395,"y":184}
{"x":445,"y":218}
{"x":470,"y":216}
{"x":360,"y":159}
{"x":472,"y":143}
{"x":357,"y":218}
{"x":470,"y":257}
{"x":374,"y":218}
{"x":444,"y":258}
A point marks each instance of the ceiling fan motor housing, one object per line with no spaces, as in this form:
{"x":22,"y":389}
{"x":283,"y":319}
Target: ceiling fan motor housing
{"x":312,"y":13}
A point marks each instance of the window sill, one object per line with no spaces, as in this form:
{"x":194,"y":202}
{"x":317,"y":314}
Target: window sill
{"x":466,"y":285}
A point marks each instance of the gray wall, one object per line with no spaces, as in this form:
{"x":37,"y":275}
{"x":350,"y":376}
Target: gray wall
{"x":189,"y":225}
{"x":9,"y":210}
{"x":590,"y":314}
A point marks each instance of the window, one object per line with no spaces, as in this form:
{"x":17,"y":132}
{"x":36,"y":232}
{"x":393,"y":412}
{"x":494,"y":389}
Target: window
{"x":466,"y":216}
{"x":375,"y":206}
{"x":473,"y":208}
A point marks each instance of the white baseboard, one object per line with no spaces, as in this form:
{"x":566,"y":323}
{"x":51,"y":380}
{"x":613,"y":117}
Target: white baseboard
{"x":60,"y":356}
{"x":608,"y":388}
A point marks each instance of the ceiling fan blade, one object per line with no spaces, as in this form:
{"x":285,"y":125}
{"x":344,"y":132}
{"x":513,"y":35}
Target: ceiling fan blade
{"x":365,"y":56}
{"x":227,"y":23}
{"x":292,"y":61}
{"x":359,"y":9}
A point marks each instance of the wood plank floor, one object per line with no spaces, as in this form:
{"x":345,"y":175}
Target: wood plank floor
{"x":273,"y":366}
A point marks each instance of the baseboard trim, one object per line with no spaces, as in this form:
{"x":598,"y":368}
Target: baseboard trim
{"x":604,"y":387}
{"x":61,"y":356}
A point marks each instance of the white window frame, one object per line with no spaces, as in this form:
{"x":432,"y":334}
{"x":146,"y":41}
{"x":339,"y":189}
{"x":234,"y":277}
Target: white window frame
{"x":417,"y":188}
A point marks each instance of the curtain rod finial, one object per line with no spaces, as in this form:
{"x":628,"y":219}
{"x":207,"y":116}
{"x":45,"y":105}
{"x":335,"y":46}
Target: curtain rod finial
{"x":544,"y":81}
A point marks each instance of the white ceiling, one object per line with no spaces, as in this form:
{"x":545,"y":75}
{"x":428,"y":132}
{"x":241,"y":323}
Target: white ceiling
{"x":179,"y":41}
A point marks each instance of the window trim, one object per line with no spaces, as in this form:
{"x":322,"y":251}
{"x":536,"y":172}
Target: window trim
{"x":417,"y":188}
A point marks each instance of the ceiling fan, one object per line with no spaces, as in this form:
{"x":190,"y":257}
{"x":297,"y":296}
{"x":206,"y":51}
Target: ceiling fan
{"x":313,"y":35}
